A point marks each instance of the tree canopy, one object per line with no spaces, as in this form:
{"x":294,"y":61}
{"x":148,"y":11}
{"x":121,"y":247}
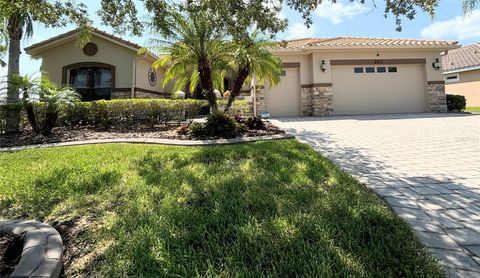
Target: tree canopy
{"x":238,"y":16}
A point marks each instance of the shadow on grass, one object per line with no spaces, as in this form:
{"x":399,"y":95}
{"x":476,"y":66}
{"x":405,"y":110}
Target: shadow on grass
{"x":48,"y":191}
{"x":257,"y":209}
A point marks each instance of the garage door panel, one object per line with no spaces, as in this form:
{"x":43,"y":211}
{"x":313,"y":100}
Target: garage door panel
{"x":284,"y":99}
{"x":370,"y":93}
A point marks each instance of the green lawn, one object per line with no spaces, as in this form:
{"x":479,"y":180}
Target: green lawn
{"x":472,"y":109}
{"x":267,"y":208}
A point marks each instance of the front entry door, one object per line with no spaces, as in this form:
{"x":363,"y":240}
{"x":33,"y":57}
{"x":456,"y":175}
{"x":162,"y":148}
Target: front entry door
{"x":92,"y":83}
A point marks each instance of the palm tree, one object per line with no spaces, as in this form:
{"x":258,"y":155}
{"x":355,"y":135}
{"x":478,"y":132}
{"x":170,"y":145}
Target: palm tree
{"x":195,"y":56}
{"x":18,"y":24}
{"x":16,"y":20}
{"x":251,"y":57}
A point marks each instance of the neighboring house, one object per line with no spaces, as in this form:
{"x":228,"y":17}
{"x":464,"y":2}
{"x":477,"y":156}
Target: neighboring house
{"x":461,"y":69}
{"x":338,"y":76}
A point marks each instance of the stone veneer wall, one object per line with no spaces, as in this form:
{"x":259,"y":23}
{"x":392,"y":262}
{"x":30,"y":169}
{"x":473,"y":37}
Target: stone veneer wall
{"x":306,"y":101}
{"x":120,"y":94}
{"x":147,"y":95}
{"x":123,"y":94}
{"x":316,"y":100}
{"x":260,"y":93}
{"x":437,"y":99}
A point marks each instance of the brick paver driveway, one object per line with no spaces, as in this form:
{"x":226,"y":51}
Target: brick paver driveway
{"x":426,"y":166}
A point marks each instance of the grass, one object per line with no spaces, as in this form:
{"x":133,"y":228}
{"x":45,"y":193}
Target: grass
{"x":260,"y":209}
{"x":472,"y":109}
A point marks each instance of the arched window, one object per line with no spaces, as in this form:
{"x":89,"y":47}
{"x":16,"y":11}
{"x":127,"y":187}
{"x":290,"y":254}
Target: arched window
{"x":93,"y":81}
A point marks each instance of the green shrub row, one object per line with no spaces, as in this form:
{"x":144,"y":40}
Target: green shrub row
{"x":123,"y":112}
{"x":456,"y":103}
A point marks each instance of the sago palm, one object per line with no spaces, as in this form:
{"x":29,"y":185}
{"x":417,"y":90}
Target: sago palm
{"x":251,"y":57}
{"x":195,"y":55}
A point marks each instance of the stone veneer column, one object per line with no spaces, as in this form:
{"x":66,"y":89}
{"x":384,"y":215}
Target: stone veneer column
{"x":260,"y":93}
{"x":306,"y":100}
{"x":437,"y":99}
{"x":322,"y":99}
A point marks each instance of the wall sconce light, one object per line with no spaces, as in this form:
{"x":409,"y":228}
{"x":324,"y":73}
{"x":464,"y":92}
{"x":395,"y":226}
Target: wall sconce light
{"x":323,"y":66}
{"x":436,"y":64}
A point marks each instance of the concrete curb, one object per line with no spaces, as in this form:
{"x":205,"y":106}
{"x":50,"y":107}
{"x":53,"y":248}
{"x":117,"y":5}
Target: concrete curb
{"x":171,"y":142}
{"x":42,"y":254}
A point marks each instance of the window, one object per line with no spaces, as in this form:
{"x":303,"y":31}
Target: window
{"x":392,"y":69}
{"x":284,"y":73}
{"x":452,"y":78}
{"x":369,"y":69}
{"x":358,"y":70}
{"x":381,"y":69}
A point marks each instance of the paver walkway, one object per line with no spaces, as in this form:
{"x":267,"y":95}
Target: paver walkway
{"x":426,"y":166}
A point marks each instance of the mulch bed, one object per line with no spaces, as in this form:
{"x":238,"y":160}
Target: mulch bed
{"x":11,"y":247}
{"x":68,"y":134}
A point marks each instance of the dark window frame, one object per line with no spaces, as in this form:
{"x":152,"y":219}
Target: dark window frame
{"x":369,"y":69}
{"x":392,"y":69}
{"x":358,"y":70}
{"x":384,"y":69}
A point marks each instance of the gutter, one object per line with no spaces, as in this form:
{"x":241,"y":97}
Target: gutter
{"x":462,"y":69}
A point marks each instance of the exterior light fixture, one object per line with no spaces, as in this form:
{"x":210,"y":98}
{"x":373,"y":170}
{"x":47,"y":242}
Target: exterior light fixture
{"x":436,"y":64}
{"x":323,"y":66}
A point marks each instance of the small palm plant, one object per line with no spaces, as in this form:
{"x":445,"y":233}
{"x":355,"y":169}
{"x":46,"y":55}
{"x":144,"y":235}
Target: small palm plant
{"x":49,"y":97}
{"x":251,"y":57}
{"x":53,"y":97}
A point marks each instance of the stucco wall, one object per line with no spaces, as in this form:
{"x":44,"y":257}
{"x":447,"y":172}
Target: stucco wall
{"x":468,"y":86}
{"x":141,"y":81}
{"x":122,"y":58}
{"x":325,"y":77}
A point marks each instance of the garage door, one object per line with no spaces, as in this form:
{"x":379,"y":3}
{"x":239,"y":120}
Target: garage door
{"x":375,"y":89}
{"x":284,"y":99}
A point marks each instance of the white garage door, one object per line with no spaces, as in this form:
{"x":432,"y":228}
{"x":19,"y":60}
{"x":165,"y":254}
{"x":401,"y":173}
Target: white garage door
{"x":372,"y":89}
{"x":284,"y":99}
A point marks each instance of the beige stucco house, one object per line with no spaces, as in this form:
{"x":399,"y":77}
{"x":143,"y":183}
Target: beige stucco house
{"x":462,"y":73}
{"x":338,"y":76}
{"x":108,"y":67}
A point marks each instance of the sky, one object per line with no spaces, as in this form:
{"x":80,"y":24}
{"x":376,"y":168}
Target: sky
{"x":345,"y":18}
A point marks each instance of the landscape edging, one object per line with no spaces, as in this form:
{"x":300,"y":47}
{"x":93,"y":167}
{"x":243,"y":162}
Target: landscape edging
{"x":170,"y":142}
{"x":42,"y":254}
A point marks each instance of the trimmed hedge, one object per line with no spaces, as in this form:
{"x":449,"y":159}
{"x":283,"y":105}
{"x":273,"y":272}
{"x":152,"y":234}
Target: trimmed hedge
{"x":456,"y":103}
{"x":123,"y":112}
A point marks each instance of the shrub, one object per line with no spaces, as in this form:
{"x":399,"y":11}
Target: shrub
{"x":219,"y":124}
{"x":196,"y":130}
{"x":456,"y":103}
{"x":255,"y":123}
{"x":120,"y":112}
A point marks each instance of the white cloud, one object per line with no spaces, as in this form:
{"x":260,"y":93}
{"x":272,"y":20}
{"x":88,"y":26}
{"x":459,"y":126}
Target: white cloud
{"x":460,"y":27}
{"x":298,"y":30}
{"x":337,"y":12}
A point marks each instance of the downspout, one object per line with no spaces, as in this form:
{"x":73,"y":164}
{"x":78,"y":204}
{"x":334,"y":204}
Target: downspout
{"x":134,"y":77}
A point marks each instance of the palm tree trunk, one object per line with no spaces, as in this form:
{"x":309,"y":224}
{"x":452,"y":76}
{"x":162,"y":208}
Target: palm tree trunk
{"x":207,"y":84}
{"x":242,"y":75}
{"x":15,"y":35}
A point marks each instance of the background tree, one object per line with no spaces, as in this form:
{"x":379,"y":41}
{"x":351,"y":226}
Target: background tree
{"x":17,"y":18}
{"x":122,"y":15}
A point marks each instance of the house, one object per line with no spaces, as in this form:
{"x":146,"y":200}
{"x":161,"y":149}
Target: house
{"x":346,"y":76}
{"x":337,"y":76}
{"x":461,"y":70}
{"x":108,"y":67}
